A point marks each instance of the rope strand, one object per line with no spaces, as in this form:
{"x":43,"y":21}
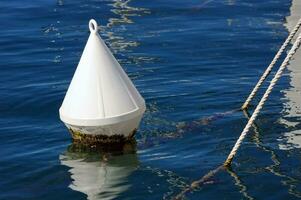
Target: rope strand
{"x":251,"y":120}
{"x":263,"y":100}
{"x":272,"y":64}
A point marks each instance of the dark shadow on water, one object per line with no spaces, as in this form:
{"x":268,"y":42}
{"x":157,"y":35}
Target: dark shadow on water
{"x":181,"y":129}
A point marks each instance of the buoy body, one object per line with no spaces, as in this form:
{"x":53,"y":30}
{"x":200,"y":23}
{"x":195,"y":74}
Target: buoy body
{"x":101,"y":101}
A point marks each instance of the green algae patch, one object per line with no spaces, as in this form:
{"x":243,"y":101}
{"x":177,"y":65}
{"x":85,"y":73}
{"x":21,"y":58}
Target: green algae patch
{"x":90,"y":139}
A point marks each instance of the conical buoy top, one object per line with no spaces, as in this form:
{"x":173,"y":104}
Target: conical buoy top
{"x":100,"y":92}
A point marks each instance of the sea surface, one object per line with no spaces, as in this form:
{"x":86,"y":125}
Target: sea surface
{"x":194,"y":62}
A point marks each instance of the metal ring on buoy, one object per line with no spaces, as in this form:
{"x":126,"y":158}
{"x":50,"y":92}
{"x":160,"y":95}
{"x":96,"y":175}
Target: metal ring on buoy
{"x":101,"y":103}
{"x":93,"y":26}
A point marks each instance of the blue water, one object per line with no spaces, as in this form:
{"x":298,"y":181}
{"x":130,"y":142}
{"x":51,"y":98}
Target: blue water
{"x":193,"y":61}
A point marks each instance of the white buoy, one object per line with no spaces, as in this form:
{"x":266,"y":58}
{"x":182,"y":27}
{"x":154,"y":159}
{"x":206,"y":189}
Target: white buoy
{"x":101,"y":101}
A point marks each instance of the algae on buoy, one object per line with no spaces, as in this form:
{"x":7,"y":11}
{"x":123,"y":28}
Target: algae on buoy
{"x":101,"y":101}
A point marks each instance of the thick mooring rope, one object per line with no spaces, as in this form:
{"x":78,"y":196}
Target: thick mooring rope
{"x":263,"y":100}
{"x":272,"y":64}
{"x":251,"y":120}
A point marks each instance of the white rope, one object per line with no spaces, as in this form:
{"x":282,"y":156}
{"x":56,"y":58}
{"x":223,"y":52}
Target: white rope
{"x":251,"y":120}
{"x":263,"y":100}
{"x":272,"y":64}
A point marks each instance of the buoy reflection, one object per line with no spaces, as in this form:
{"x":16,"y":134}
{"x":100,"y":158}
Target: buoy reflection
{"x":97,"y":173}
